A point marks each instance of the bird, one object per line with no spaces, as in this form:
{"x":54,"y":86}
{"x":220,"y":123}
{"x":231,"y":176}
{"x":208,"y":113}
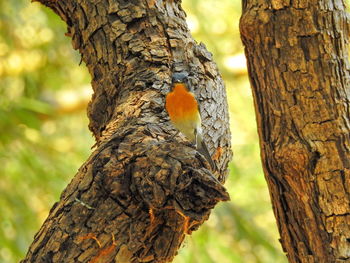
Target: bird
{"x":183,"y":110}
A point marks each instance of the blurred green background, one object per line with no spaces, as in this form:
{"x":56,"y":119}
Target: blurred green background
{"x":44,"y":136}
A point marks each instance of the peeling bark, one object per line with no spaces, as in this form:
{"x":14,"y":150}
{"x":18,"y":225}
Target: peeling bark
{"x":141,"y":190}
{"x":299,"y":72}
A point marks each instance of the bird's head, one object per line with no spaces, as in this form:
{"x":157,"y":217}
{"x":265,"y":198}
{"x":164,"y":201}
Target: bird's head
{"x":180,"y":77}
{"x":180,"y":81}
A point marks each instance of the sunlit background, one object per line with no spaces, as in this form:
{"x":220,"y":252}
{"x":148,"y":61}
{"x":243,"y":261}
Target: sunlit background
{"x":44,"y":136}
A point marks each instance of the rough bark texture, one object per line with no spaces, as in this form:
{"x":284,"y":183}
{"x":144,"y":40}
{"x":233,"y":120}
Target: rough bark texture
{"x":141,"y":191}
{"x":299,"y":72}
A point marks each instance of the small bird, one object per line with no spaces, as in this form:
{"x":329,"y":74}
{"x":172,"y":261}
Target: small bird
{"x":183,"y":111}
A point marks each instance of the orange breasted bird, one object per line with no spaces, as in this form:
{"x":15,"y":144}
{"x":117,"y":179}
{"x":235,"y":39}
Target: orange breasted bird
{"x":183,"y":111}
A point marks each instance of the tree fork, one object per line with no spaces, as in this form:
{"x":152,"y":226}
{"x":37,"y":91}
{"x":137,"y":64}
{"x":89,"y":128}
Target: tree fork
{"x":139,"y":192}
{"x":299,"y":72}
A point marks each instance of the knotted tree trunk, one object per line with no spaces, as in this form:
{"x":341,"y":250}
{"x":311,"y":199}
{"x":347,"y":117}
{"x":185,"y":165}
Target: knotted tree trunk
{"x":299,"y":73}
{"x":140,"y":191}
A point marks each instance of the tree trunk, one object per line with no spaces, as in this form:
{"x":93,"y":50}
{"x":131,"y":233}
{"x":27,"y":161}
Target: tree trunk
{"x":140,"y":191}
{"x":299,"y":73}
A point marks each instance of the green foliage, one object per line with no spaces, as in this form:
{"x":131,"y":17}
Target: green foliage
{"x":43,"y":141}
{"x":39,"y":149}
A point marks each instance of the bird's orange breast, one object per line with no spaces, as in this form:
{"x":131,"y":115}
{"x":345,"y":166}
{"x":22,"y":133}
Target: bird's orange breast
{"x":181,"y":104}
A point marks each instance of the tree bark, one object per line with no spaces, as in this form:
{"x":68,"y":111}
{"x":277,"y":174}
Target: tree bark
{"x":299,"y":73}
{"x":140,"y":191}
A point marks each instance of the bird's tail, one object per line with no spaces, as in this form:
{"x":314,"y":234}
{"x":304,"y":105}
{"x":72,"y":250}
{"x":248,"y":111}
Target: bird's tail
{"x":202,"y":148}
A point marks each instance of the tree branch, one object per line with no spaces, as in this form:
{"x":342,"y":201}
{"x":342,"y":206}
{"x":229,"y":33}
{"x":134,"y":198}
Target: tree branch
{"x":299,"y":71}
{"x":140,"y":192}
